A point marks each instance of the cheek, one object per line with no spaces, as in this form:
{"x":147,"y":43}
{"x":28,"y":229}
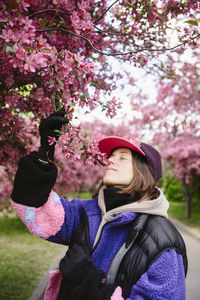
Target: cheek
{"x":129,"y":173}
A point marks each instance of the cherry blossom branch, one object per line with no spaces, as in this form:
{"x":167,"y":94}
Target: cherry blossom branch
{"x":171,"y":75}
{"x":107,"y":31}
{"x":118,"y":53}
{"x":63,"y":12}
{"x":76,"y":145}
{"x":96,"y":21}
{"x":49,"y":10}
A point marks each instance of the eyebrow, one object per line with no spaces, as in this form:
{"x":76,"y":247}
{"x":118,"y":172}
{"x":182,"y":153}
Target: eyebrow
{"x":126,"y":152}
{"x":122,"y":152}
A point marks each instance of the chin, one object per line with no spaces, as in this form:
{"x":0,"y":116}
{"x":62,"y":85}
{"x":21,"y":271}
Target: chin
{"x":107,"y":182}
{"x":110,"y":182}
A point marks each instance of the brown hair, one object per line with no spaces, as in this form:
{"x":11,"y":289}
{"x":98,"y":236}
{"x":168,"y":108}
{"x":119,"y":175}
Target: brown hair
{"x":142,"y":185}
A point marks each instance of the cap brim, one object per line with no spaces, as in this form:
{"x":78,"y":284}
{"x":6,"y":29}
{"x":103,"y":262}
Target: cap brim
{"x":107,"y":144}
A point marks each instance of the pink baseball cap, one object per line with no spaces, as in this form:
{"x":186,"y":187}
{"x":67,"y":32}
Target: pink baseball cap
{"x":153,"y":157}
{"x":107,"y":144}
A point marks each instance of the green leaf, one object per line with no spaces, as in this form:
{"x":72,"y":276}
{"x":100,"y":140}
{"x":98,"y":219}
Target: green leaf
{"x":8,"y":48}
{"x":75,"y":73}
{"x":57,"y":130}
{"x":60,"y":82}
{"x":192,"y":22}
{"x":2,"y":24}
{"x":47,"y":49}
{"x":43,"y":22}
{"x":19,"y":13}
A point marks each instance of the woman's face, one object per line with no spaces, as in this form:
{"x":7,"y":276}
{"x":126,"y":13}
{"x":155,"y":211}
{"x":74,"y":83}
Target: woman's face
{"x":119,"y":171}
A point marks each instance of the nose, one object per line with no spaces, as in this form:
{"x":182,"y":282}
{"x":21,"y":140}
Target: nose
{"x":110,"y":160}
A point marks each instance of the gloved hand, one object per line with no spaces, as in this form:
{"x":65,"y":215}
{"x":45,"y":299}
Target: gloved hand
{"x":75,"y":263}
{"x":50,"y":127}
{"x":81,"y":279}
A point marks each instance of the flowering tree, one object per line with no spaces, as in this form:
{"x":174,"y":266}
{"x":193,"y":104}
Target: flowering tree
{"x":182,"y":155}
{"x":56,"y":54}
{"x":173,"y":120}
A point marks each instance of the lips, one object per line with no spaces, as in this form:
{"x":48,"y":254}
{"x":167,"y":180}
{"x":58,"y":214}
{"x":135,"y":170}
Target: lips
{"x":110,"y":169}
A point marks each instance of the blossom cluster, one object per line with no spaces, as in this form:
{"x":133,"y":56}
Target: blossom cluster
{"x":77,"y":146}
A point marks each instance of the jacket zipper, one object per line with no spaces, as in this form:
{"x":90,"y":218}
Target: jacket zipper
{"x":101,"y":234}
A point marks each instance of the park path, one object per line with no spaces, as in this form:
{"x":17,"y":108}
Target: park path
{"x":193,"y":276}
{"x":192,"y":241}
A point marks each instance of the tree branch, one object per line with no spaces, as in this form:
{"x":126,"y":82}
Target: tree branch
{"x":168,"y":184}
{"x":96,"y":21}
{"x":68,"y":14}
{"x":118,"y":53}
{"x":49,"y":10}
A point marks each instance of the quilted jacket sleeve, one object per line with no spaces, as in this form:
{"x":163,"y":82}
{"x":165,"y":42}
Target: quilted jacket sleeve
{"x":45,"y":213}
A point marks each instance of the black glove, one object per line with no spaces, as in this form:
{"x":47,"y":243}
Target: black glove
{"x":50,"y":127}
{"x":75,"y":263}
{"x":81,"y":279}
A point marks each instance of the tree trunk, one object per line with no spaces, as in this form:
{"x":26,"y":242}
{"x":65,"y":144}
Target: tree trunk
{"x":188,"y":198}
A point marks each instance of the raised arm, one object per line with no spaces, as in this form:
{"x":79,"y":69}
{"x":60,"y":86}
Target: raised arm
{"x":44,"y":212}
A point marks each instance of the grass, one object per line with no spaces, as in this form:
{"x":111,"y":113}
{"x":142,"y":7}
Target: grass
{"x":24,"y":259}
{"x":83,"y":196}
{"x":177,"y":211}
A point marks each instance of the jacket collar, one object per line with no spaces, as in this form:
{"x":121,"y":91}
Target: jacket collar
{"x":158,"y":206}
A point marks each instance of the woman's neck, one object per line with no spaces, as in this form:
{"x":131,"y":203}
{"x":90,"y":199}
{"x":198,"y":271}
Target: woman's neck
{"x":113,"y":198}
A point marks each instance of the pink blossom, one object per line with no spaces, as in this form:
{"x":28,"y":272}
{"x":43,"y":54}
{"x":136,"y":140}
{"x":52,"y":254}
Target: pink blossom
{"x":83,"y":5}
{"x":30,"y":64}
{"x":112,"y":107}
{"x":7,"y":35}
{"x":51,"y":140}
{"x":76,"y":21}
{"x":87,"y":67}
{"x":76,"y":157}
{"x":67,"y":155}
{"x":78,"y":57}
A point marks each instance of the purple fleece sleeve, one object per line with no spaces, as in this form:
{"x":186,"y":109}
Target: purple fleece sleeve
{"x":165,"y":279}
{"x":55,"y":220}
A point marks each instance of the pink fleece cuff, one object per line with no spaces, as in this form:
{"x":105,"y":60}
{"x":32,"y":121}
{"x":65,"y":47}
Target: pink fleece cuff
{"x":44,"y":221}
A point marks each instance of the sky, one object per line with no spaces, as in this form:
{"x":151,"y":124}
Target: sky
{"x":145,"y":81}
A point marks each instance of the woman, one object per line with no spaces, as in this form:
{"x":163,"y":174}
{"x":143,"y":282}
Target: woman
{"x":121,"y":244}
